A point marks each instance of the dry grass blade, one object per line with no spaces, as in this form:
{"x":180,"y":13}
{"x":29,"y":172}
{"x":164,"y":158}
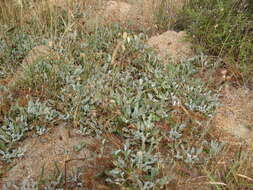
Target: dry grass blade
{"x":245,"y":177}
{"x":216,"y":183}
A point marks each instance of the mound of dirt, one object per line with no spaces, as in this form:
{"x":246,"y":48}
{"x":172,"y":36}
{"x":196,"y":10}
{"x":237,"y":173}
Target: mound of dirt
{"x":235,"y":114}
{"x":47,"y":151}
{"x":171,"y":45}
{"x":119,"y":12}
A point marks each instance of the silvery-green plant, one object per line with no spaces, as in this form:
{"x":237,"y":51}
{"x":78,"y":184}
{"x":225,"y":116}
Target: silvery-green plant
{"x":188,"y":154}
{"x":20,"y":120}
{"x":36,"y":109}
{"x":136,"y":169}
{"x":96,"y":94}
{"x":214,"y":148}
{"x":21,"y":44}
{"x":176,"y":132}
{"x":26,"y":184}
{"x":8,"y":155}
{"x":142,"y":90}
{"x":40,"y":130}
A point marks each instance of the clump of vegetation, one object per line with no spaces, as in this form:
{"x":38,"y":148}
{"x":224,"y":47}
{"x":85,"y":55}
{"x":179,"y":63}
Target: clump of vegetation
{"x":165,"y":13}
{"x":19,"y":121}
{"x":222,"y":29}
{"x":15,"y":44}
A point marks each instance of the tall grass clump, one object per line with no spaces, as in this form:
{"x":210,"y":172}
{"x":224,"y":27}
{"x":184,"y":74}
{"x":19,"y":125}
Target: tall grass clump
{"x":165,"y":13}
{"x":222,"y":29}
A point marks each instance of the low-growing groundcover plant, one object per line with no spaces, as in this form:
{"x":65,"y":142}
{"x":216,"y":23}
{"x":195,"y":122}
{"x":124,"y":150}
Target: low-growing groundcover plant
{"x":158,"y":111}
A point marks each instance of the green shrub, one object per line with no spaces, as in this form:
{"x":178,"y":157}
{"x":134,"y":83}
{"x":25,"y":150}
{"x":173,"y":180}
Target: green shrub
{"x":221,"y":28}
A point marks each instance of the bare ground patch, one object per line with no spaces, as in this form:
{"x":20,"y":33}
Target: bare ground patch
{"x":235,"y":114}
{"x":46,"y":152}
